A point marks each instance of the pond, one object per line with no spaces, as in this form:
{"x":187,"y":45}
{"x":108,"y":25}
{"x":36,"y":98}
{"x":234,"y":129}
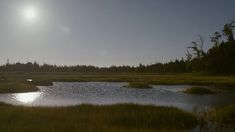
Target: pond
{"x":107,"y":93}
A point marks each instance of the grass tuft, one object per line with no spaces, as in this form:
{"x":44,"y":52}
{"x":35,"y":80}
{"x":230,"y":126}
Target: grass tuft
{"x":198,"y":90}
{"x":143,"y":85}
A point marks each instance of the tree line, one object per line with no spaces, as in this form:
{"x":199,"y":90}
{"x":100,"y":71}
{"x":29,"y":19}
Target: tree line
{"x":219,"y":59}
{"x":176,"y":66}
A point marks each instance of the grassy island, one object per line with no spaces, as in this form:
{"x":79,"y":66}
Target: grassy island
{"x":141,"y":85}
{"x":198,"y":90}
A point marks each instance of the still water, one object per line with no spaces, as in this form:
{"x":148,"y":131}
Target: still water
{"x":105,"y":93}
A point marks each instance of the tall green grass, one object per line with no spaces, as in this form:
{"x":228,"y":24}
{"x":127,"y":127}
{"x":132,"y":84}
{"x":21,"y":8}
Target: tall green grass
{"x":119,"y":118}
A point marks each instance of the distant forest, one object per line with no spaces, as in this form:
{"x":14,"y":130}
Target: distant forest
{"x":219,"y":59}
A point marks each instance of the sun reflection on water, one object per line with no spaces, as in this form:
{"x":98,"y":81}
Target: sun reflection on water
{"x":27,"y":97}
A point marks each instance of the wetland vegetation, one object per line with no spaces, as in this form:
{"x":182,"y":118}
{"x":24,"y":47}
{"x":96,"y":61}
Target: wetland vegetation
{"x":138,"y":85}
{"x":121,"y":117}
{"x":16,"y":87}
{"x":219,"y":82}
{"x":199,"y":90}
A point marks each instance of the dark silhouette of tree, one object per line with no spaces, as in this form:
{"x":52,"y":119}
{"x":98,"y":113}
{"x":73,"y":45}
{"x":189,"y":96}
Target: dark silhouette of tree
{"x":215,"y":39}
{"x":228,"y":31}
{"x":189,"y":56}
{"x":221,"y":56}
{"x":197,"y":47}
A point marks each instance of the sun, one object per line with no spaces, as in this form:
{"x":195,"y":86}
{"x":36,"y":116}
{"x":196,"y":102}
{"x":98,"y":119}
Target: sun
{"x":30,"y":13}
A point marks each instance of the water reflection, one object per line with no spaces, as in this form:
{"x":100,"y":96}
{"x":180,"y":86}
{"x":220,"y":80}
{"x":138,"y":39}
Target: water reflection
{"x":26,"y":98}
{"x":105,"y":93}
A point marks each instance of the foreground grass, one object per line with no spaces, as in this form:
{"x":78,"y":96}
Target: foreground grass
{"x":226,"y":115}
{"x":122,"y":117}
{"x":16,"y":87}
{"x":219,"y":119}
{"x":198,"y":90}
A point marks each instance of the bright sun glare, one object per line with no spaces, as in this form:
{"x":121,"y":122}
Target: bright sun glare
{"x":30,"y":13}
{"x":27,"y":97}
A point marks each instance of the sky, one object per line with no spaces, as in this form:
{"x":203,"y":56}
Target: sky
{"x":107,"y":32}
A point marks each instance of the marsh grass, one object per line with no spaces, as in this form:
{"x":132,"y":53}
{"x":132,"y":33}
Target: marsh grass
{"x":142,"y":85}
{"x":16,"y":87}
{"x":146,"y":79}
{"x":217,"y":119}
{"x":224,"y":88}
{"x":120,"y":117}
{"x":42,"y":82}
{"x":198,"y":90}
{"x":226,"y":115}
{"x":171,"y":79}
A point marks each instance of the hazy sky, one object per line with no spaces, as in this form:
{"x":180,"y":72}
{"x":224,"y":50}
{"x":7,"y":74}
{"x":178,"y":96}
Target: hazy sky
{"x":106,"y":32}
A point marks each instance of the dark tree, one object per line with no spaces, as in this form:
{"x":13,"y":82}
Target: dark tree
{"x":228,"y":31}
